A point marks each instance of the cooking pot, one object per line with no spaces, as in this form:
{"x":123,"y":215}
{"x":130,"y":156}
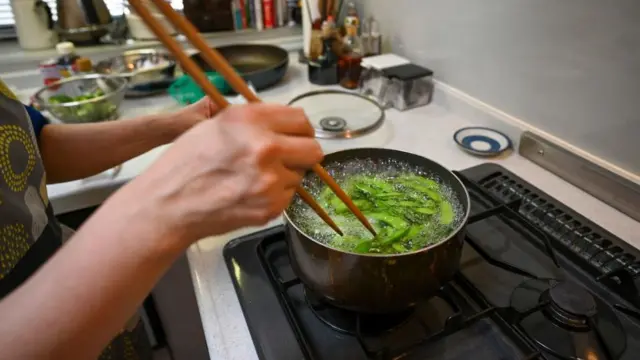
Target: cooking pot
{"x":379,"y":283}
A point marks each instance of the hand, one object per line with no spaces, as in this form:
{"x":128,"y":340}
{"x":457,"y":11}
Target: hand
{"x":239,"y":169}
{"x":192,"y":114}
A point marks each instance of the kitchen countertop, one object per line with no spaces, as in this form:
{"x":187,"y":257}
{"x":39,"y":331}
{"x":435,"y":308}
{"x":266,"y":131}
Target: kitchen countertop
{"x":425,"y":131}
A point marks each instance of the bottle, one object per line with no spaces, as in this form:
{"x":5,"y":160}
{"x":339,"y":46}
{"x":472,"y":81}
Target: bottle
{"x":376,"y":38}
{"x":349,"y":65}
{"x":49,"y":71}
{"x":352,"y":17}
{"x":328,"y":57}
{"x":67,"y":58}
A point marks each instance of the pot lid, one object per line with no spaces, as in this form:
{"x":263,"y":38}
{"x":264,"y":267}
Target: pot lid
{"x":336,"y":114}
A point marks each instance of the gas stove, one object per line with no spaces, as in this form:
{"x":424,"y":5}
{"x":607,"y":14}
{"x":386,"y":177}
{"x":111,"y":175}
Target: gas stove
{"x":536,"y":281}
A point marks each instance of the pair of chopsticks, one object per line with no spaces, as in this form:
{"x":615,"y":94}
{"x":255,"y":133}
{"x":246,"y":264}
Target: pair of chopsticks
{"x":220,"y":64}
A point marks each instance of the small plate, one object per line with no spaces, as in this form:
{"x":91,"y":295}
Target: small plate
{"x":482,"y":141}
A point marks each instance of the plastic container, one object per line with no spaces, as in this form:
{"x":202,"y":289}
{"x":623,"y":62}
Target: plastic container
{"x":186,"y":91}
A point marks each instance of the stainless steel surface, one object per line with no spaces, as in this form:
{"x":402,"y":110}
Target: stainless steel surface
{"x":83,"y":20}
{"x":100,"y":108}
{"x":610,"y":188}
{"x":146,"y":70}
{"x":336,"y":114}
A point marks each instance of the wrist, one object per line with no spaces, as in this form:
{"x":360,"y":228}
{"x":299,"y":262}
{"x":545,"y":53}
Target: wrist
{"x":172,"y":125}
{"x":131,"y":212}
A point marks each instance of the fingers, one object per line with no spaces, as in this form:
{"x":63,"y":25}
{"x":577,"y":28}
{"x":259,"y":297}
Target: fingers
{"x":289,"y":179}
{"x":298,"y":152}
{"x":286,"y":120}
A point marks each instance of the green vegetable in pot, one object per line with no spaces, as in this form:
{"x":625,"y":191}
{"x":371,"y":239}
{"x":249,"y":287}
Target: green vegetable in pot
{"x":409,"y":212}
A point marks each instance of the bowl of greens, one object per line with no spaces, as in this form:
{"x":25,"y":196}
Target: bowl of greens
{"x":83,"y":99}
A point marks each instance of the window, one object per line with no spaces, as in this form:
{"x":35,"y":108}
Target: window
{"x":116,"y":7}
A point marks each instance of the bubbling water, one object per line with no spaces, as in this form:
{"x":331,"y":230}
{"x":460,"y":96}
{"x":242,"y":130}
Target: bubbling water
{"x":386,"y":170}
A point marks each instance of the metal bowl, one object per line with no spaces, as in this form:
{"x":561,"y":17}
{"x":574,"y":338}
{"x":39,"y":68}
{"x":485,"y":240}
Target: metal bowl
{"x":99,"y":108}
{"x":146,"y":70}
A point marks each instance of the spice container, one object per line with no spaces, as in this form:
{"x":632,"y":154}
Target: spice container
{"x":407,"y":86}
{"x":67,"y":58}
{"x":372,"y":81}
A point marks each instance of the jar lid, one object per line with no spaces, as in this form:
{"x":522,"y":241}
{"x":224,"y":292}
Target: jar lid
{"x":65,"y":48}
{"x":336,"y":114}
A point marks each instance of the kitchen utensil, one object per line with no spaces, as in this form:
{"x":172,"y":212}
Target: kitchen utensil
{"x":97,"y":109}
{"x":83,"y":21}
{"x":482,"y":141}
{"x":146,"y":70}
{"x":261,"y":65}
{"x":379,"y":283}
{"x":337,"y":114}
{"x":216,"y":61}
{"x":34,"y":24}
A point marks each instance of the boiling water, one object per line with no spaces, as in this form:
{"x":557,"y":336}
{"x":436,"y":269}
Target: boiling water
{"x":312,"y":225}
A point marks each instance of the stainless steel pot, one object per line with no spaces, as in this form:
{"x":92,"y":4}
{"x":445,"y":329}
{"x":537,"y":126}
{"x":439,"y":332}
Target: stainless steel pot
{"x":379,"y":283}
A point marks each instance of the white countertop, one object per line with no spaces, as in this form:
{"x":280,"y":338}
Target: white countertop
{"x":425,"y":131}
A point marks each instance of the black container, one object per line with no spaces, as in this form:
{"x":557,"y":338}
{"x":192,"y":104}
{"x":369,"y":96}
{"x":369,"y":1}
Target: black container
{"x":379,"y":283}
{"x":323,"y":74}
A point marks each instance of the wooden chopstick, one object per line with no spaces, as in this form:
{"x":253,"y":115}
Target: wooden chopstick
{"x":219,"y":63}
{"x":201,"y":79}
{"x":346,"y":199}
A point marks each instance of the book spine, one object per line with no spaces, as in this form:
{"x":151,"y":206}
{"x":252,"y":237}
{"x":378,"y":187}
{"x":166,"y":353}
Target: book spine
{"x":251,"y":13}
{"x":243,"y":13}
{"x":281,"y":7}
{"x":268,"y":11}
{"x":237,"y":15}
{"x":258,"y":15}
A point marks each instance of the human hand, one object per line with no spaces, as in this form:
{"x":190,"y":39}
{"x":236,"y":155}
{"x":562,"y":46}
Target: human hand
{"x":239,"y":169}
{"x":192,"y":114}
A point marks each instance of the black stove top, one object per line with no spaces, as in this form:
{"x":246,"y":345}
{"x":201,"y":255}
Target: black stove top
{"x":537,"y":281}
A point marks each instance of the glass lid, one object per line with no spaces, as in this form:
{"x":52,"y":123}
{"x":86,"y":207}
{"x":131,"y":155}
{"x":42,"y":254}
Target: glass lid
{"x":339,"y":114}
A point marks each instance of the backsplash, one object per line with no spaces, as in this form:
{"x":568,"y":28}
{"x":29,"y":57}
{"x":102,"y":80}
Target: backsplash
{"x":570,"y":67}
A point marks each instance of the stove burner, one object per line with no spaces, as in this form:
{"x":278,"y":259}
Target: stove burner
{"x":333,"y":123}
{"x":347,"y":321}
{"x":568,"y":321}
{"x":569,"y":305}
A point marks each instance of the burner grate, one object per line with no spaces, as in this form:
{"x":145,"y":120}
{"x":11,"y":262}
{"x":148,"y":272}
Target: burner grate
{"x":449,"y":293}
{"x":610,"y":261}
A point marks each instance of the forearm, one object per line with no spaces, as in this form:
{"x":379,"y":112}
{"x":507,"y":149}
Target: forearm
{"x":76,"y":151}
{"x":86,"y":293}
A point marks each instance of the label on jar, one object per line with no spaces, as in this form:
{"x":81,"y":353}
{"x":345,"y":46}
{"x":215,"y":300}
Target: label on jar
{"x":49,"y":71}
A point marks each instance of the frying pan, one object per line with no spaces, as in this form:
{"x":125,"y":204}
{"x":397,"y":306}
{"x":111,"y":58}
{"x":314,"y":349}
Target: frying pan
{"x":379,"y":283}
{"x":261,"y":65}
